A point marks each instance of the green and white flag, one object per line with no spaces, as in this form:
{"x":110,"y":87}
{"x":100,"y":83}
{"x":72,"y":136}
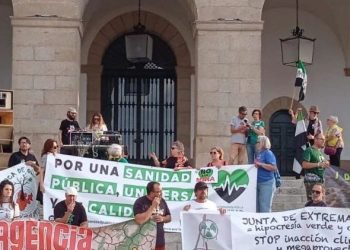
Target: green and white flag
{"x":300,"y":142}
{"x":301,"y":80}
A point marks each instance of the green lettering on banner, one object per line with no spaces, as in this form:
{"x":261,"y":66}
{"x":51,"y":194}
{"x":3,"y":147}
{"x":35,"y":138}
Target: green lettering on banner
{"x":84,"y":185}
{"x":111,"y":209}
{"x":169,"y":194}
{"x":133,"y":191}
{"x":177,"y":194}
{"x":156,"y":174}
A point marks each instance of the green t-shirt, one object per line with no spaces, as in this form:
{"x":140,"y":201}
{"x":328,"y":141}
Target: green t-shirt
{"x":252,"y":136}
{"x":314,"y":155}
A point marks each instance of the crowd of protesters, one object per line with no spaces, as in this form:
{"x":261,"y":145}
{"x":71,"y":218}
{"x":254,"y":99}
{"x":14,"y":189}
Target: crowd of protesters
{"x":249,"y":145}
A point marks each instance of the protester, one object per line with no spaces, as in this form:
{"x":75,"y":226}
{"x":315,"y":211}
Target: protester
{"x":239,"y":128}
{"x":67,"y":126}
{"x":266,"y":164}
{"x":97,"y":125}
{"x":69,"y":211}
{"x":9,"y":209}
{"x":176,"y":161}
{"x":115,"y":153}
{"x":23,"y":155}
{"x":313,"y":123}
{"x":153,"y":207}
{"x":334,"y":141}
{"x":201,"y":202}
{"x":318,"y":193}
{"x":256,"y":128}
{"x":50,"y":148}
{"x":314,"y":164}
{"x":217,"y":157}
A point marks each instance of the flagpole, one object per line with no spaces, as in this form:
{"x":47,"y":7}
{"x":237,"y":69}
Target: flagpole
{"x":291,"y":103}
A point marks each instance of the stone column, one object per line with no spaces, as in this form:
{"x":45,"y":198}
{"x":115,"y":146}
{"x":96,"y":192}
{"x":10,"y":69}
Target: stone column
{"x":46,"y":72}
{"x":93,"y":102}
{"x":228,"y":75}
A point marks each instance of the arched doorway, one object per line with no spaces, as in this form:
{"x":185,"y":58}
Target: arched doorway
{"x":139,"y":101}
{"x":282,"y":133}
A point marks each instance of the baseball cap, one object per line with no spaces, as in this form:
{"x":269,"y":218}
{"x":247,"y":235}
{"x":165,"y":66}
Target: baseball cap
{"x":71,"y":191}
{"x":72,"y":110}
{"x":200,"y":185}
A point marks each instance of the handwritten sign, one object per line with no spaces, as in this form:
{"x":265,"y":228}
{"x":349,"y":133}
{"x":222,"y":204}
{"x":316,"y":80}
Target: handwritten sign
{"x":308,"y":228}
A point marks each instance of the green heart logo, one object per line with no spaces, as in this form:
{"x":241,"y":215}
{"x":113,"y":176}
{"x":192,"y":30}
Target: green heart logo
{"x":231,"y":185}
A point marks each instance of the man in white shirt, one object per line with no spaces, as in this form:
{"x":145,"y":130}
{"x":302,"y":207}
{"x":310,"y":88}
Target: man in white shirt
{"x":239,"y":127}
{"x":201,"y":201}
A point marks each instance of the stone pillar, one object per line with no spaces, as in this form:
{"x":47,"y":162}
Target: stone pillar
{"x":93,"y":102}
{"x":228,"y":75}
{"x":46,"y":72}
{"x":183,"y":126}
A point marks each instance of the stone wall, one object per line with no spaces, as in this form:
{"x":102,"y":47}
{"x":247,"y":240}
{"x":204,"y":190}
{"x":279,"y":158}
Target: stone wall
{"x":228,"y":76}
{"x":46,"y":71}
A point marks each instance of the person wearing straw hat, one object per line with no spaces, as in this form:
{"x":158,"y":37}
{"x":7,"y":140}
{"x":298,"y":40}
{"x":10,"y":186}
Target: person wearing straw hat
{"x":313,"y":123}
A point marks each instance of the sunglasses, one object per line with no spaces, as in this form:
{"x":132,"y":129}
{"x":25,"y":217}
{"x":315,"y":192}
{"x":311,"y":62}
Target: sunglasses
{"x":316,"y":192}
{"x":244,"y":113}
{"x":213,"y":153}
{"x":314,"y":112}
{"x":173,"y":147}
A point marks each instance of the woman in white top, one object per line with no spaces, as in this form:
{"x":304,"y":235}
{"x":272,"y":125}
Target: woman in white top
{"x":9,"y":209}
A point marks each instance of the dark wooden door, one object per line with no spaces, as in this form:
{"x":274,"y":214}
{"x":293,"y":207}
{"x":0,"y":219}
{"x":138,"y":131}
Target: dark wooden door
{"x":282,"y":133}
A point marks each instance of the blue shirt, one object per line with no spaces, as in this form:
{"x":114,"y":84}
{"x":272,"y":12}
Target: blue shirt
{"x":266,"y":156}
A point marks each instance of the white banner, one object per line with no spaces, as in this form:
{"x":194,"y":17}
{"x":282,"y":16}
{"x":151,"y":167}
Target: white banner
{"x":309,"y":228}
{"x":26,"y":188}
{"x":205,"y":230}
{"x":109,"y":189}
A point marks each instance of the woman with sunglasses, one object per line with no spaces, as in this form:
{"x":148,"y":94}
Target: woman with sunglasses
{"x":176,"y":161}
{"x":217,"y":157}
{"x":50,"y":148}
{"x":97,"y":125}
{"x":9,"y":209}
{"x":267,"y":165}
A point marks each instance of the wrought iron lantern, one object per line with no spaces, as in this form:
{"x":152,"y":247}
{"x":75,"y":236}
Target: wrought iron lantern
{"x":297,"y":47}
{"x":139,"y":44}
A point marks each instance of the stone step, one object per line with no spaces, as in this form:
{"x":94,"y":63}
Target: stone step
{"x":292,"y":182}
{"x":289,"y":198}
{"x":280,"y":206}
{"x":291,"y":190}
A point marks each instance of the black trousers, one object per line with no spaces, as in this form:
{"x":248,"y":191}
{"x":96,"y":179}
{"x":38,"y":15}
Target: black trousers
{"x":335,"y":159}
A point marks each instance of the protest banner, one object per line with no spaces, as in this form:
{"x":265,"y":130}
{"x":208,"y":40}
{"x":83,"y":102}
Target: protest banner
{"x":309,"y":228}
{"x":109,"y":189}
{"x":205,"y":230}
{"x":33,"y":234}
{"x":337,"y":187}
{"x":26,"y":188}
